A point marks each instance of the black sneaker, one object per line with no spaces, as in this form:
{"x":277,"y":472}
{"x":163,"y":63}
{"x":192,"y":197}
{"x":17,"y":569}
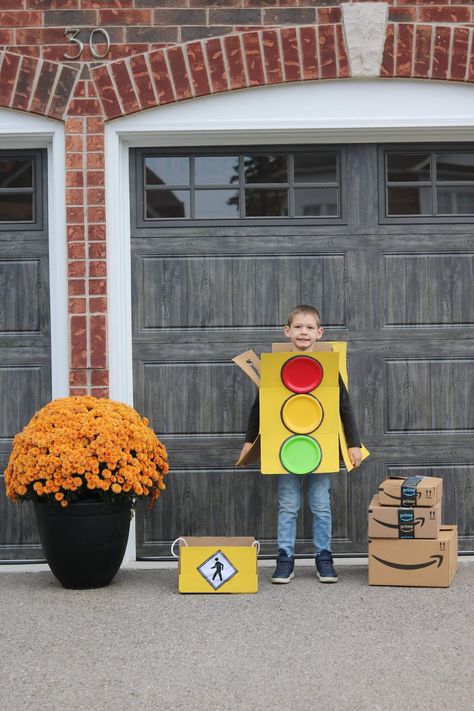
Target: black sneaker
{"x":284,"y":570}
{"x":325,"y":568}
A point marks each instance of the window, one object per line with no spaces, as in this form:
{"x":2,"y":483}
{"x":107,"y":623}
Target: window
{"x":22,"y":174}
{"x":240,"y":185}
{"x":431,"y":184}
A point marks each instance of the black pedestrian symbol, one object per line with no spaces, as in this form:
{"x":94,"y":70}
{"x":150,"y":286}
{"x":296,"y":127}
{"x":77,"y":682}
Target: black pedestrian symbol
{"x":219,"y":567}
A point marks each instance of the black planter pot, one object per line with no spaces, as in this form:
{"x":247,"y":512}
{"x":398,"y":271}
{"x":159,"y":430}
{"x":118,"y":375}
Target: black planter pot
{"x":84,"y":543}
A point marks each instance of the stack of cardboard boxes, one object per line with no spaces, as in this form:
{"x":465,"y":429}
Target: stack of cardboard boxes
{"x":408,"y":546}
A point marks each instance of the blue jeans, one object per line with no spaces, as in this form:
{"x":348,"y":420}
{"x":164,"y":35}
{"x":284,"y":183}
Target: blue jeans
{"x":289,"y":501}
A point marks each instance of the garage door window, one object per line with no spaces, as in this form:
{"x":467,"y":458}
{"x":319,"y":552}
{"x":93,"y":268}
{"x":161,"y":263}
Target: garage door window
{"x":428,"y":184}
{"x":17,"y":189}
{"x":253,"y":185}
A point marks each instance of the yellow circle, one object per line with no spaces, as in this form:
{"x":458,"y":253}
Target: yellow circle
{"x":302,"y":414}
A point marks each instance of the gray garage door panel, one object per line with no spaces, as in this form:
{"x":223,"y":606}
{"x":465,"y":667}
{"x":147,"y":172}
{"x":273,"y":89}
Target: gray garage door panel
{"x":401,"y":295}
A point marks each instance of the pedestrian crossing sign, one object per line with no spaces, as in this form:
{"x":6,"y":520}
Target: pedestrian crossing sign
{"x":217,"y":570}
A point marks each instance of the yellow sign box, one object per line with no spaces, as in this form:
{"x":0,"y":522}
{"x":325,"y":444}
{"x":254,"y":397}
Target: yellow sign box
{"x":217,"y":564}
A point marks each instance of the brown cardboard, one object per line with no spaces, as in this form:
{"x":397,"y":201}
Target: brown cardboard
{"x":403,"y":523}
{"x":398,"y":491}
{"x":428,"y":563}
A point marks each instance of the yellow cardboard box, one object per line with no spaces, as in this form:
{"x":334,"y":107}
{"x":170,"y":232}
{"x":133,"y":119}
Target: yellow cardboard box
{"x":225,"y":564}
{"x":424,"y":562}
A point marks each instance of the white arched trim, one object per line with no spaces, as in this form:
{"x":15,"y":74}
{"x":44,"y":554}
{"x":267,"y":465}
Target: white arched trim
{"x":343,"y":111}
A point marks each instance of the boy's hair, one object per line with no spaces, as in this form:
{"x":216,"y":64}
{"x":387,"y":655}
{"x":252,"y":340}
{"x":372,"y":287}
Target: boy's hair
{"x":304,"y":309}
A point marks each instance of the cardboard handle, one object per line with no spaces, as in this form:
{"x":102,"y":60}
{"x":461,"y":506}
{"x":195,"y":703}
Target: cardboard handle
{"x":174,"y":543}
{"x":249,"y":362}
{"x":257,"y":544}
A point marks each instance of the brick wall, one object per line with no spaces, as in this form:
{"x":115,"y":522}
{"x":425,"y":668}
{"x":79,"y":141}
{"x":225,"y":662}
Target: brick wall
{"x":229,"y":44}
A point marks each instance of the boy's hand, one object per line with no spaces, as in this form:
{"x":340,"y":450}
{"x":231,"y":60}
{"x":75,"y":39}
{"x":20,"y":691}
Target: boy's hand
{"x":244,"y":451}
{"x":355,"y":456}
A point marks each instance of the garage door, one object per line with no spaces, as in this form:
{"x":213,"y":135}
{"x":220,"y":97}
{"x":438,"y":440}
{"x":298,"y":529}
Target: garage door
{"x":226,"y":242}
{"x":25,"y":353}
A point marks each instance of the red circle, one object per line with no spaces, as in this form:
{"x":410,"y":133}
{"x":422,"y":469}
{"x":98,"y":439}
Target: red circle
{"x":301,"y":374}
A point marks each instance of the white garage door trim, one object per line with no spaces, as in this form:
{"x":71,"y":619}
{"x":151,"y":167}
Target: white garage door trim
{"x":357,"y":111}
{"x":21,"y":130}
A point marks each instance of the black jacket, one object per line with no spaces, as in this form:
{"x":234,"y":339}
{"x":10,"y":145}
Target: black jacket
{"x":345,"y":409}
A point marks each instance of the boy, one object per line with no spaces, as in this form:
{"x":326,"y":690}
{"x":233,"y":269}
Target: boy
{"x":304,"y":329}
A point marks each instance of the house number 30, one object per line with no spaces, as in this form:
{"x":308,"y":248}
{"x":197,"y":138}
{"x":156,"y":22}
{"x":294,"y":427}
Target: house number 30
{"x":98,"y":36}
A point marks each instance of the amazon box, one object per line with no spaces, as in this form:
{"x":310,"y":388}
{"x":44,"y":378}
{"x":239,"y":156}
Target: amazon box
{"x":409,"y":492}
{"x":217,"y":565}
{"x":430,"y":563}
{"x":405,"y":523}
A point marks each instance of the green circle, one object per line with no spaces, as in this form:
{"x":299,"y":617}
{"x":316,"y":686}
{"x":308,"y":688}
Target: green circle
{"x":300,"y":454}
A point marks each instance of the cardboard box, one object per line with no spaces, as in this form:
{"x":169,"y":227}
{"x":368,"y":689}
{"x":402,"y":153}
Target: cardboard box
{"x":404,"y":523}
{"x":409,"y":492}
{"x":217,"y":565}
{"x":430,"y":563}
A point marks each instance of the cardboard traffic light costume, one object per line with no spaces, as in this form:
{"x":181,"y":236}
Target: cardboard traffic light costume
{"x":300,"y":426}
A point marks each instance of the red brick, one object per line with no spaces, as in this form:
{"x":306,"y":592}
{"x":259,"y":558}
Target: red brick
{"x":125,"y":88}
{"x":77,"y":305}
{"x":422,"y":51}
{"x":95,"y":125}
{"x":95,"y":177}
{"x":388,"y":56}
{"x":95,"y":196}
{"x":235,"y":62}
{"x":49,"y":35}
{"x":74,"y":196}
{"x":97,"y":287}
{"x":99,"y":377}
{"x":441,"y":53}
{"x":95,"y":160}
{"x":198,"y":69}
{"x":444,"y":14}
{"x":74,"y":142}
{"x":76,"y":250}
{"x":74,"y":160}
{"x":143,"y":81}
{"x":97,"y":269}
{"x":96,"y":233}
{"x":39,"y":103}
{"x":76,"y":287}
{"x":75,"y":214}
{"x":343,"y":60}
{"x":179,"y":73}
{"x":309,"y":53}
{"x":97,"y":250}
{"x":80,"y":91}
{"x":21,"y":19}
{"x":459,"y":53}
{"x":84,"y":107}
{"x":253,"y":59}
{"x":78,"y":392}
{"x":404,"y":51}
{"x":6,"y":37}
{"x":106,"y":92}
{"x":160,"y":77}
{"x":327,"y":51}
{"x":271,"y":54}
{"x":76,"y":269}
{"x":8,"y":75}
{"x":291,"y":60}
{"x":74,"y":178}
{"x":95,"y":142}
{"x":62,"y":93}
{"x":96,"y":214}
{"x":124,"y":17}
{"x":217,"y":68}
{"x":78,"y":377}
{"x":100,"y":392}
{"x":328,"y":15}
{"x":98,"y":304}
{"x":75,"y":233}
{"x":74,"y":125}
{"x":24,"y":84}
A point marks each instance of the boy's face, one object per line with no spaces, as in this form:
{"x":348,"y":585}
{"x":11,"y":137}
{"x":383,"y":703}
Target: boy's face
{"x":303,"y":332}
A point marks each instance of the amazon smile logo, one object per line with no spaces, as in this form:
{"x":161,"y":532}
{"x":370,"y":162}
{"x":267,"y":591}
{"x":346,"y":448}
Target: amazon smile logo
{"x":417,"y":522}
{"x":415,"y":566}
